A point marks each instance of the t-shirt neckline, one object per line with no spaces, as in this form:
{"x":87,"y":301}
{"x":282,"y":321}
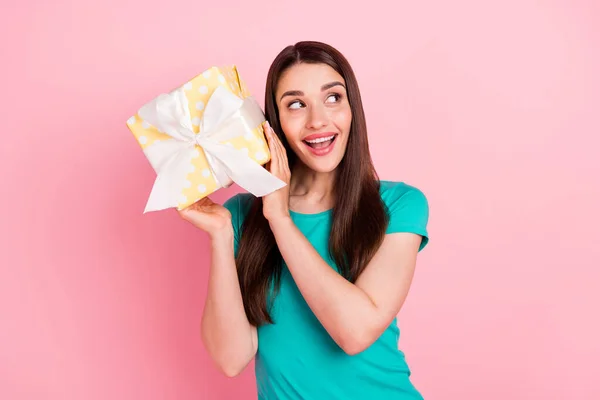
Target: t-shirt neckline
{"x":297,"y":214}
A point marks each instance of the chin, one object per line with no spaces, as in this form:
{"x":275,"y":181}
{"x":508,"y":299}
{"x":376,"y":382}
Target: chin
{"x":325,"y":164}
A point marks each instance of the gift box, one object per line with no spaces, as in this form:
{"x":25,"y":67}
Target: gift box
{"x":202,"y":136}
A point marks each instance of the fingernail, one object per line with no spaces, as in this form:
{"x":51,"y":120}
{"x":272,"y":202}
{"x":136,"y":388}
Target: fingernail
{"x":267,"y":124}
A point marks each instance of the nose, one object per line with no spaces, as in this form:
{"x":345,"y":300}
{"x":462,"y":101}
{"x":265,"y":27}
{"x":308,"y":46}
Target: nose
{"x":317,"y":117}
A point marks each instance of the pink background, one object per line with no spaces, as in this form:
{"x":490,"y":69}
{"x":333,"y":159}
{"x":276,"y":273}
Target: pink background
{"x":491,"y":108}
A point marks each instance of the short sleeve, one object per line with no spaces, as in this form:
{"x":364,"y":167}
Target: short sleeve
{"x":238,"y":205}
{"x":408,"y":210}
{"x":233,"y":205}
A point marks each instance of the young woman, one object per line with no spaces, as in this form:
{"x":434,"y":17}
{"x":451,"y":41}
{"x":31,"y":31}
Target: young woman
{"x":308,"y":280}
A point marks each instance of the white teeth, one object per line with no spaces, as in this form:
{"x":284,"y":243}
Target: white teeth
{"x":323,"y":139}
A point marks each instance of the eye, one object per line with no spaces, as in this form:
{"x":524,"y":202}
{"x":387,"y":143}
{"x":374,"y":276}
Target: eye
{"x":294,"y":105}
{"x":336,"y":97}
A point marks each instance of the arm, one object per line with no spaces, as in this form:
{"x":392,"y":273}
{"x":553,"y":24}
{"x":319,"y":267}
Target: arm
{"x":226,"y":333}
{"x":228,"y":336}
{"x":354,"y":315}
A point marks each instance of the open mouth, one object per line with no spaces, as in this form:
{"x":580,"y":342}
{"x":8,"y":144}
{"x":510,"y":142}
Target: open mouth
{"x":322,"y":145}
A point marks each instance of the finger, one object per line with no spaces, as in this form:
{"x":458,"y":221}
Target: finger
{"x":198,"y":205}
{"x":195,"y":206}
{"x":281,"y":153}
{"x":280,"y":156}
{"x":272,"y":146}
{"x":279,"y":165}
{"x":272,"y":136}
{"x":278,"y":153}
{"x":267,"y":129}
{"x":205,"y":201}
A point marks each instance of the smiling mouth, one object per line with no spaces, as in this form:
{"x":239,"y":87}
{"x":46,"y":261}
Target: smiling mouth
{"x":321,"y":143}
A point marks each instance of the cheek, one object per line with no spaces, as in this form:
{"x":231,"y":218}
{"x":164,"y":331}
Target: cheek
{"x":343,"y":119}
{"x":291,"y":128}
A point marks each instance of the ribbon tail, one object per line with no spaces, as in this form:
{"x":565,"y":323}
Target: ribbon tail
{"x":171,"y":178}
{"x":244,"y":171}
{"x":160,"y":198}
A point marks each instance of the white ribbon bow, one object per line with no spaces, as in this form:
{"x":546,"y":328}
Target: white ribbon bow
{"x":226,"y":116}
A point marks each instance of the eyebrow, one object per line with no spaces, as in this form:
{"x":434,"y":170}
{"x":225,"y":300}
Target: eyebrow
{"x":326,"y":86}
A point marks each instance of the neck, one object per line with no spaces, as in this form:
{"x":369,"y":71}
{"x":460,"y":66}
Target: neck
{"x":311,"y":191}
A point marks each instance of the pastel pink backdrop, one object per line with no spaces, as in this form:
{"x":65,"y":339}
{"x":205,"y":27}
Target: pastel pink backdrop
{"x":491,"y":108}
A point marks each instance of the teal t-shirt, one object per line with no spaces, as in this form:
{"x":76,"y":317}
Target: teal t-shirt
{"x":296,"y":357}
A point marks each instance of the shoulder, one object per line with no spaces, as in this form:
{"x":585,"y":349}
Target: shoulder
{"x":239,"y":202}
{"x":239,"y":205}
{"x":407,"y":207}
{"x":393,"y":192}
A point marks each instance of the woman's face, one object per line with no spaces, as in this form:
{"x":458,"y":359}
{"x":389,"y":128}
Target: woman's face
{"x":314,"y":114}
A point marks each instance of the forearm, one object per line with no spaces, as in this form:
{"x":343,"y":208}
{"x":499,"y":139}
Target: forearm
{"x":226,"y":332}
{"x":344,"y":310}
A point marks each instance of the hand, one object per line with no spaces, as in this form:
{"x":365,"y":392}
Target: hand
{"x":211,"y":217}
{"x":276,"y":204}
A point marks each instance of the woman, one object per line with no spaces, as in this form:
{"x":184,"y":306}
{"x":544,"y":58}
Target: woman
{"x":323,"y":265}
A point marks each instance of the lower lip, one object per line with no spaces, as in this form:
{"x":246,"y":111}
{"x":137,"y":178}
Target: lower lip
{"x":323,"y":151}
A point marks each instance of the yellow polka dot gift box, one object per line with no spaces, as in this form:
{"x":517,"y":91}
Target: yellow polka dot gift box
{"x":203,"y":136}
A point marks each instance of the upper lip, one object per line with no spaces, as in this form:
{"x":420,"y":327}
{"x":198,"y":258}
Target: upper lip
{"x":319,"y":135}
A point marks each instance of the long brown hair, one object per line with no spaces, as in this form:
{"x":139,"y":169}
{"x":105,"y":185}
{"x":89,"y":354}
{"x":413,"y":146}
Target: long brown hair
{"x":359,"y":216}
